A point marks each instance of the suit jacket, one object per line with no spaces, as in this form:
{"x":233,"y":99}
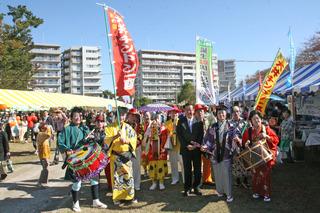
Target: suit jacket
{"x":185,"y":136}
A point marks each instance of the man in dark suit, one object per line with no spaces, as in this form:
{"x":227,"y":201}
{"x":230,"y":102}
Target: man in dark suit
{"x":189,"y":130}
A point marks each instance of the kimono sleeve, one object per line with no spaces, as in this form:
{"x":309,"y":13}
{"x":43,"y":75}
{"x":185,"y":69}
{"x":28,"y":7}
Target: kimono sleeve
{"x":109,"y":130}
{"x":208,"y":140}
{"x":131,"y":137}
{"x":274,"y":140}
{"x":245,"y":137}
{"x":64,"y":140}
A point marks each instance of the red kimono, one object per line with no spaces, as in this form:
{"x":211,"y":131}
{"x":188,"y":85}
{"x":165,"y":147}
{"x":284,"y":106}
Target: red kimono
{"x":261,"y":180}
{"x":155,"y":152}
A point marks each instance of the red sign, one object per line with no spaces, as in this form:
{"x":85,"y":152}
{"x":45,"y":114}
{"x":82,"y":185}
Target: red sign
{"x":125,"y":57}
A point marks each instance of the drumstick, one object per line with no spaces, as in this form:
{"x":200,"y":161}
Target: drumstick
{"x":90,"y":133}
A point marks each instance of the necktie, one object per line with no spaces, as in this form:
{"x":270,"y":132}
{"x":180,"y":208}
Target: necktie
{"x":190,"y":125}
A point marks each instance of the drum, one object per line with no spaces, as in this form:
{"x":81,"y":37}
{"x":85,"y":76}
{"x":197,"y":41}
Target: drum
{"x":256,"y":155}
{"x":87,"y":161}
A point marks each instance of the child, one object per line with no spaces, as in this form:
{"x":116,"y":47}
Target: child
{"x":157,"y":155}
{"x":43,"y":152}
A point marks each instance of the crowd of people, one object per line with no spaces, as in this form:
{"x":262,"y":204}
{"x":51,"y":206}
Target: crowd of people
{"x":203,"y":143}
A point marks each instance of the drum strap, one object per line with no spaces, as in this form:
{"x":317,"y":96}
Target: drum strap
{"x":250,"y":135}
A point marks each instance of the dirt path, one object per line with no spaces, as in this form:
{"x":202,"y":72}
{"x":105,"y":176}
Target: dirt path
{"x":20,"y":193}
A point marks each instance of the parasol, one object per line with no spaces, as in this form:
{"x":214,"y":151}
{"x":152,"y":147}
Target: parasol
{"x":157,"y":107}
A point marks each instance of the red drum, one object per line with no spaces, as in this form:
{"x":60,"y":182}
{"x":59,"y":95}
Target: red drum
{"x":87,"y":161}
{"x":256,"y":155}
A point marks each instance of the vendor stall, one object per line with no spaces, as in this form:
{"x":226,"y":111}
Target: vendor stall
{"x":36,"y":101}
{"x":308,"y":124}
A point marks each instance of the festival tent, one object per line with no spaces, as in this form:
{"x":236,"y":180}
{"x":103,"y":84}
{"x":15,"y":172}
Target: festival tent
{"x":315,"y":87}
{"x":305,"y":79}
{"x":33,"y":100}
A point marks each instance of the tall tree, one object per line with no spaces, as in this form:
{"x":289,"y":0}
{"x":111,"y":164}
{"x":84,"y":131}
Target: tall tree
{"x":138,"y":102}
{"x":16,"y":43}
{"x":310,"y":53}
{"x":107,"y":94}
{"x":187,"y":93}
{"x":255,"y":77}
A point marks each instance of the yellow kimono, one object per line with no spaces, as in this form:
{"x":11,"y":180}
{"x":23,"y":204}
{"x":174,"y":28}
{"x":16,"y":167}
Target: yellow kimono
{"x":171,"y":127}
{"x":120,"y":160}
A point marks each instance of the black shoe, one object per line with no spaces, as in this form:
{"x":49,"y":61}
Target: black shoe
{"x":197,"y":192}
{"x":3,"y":176}
{"x":54,"y":163}
{"x":186,"y":193}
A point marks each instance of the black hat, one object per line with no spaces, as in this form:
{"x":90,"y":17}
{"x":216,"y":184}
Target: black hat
{"x":221,"y":106}
{"x":122,"y":110}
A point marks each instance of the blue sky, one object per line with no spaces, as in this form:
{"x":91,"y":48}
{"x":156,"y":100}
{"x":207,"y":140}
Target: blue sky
{"x":241,"y":29}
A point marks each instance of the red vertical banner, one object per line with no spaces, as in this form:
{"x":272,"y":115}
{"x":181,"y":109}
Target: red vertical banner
{"x":125,"y":57}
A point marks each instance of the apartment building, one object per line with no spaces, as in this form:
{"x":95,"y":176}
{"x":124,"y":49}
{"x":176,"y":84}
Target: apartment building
{"x":48,"y":70}
{"x":227,"y":75}
{"x":81,"y":71}
{"x":162,"y":73}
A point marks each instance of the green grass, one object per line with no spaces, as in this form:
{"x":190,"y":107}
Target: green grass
{"x":295,"y":188}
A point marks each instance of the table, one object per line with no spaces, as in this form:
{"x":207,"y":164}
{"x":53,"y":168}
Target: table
{"x":313,"y":139}
{"x":307,"y":132}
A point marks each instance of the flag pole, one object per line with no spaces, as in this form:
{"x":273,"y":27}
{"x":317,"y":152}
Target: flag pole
{"x":292,"y":67}
{"x":105,"y":7}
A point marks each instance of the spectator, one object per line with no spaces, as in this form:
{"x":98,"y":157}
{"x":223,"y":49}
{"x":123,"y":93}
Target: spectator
{"x":44,"y":152}
{"x":4,"y":152}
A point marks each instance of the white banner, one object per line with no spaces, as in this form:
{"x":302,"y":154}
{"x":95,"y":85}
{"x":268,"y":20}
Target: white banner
{"x":205,"y":93}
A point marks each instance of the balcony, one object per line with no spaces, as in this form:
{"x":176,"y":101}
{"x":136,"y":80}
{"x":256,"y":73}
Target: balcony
{"x":46,"y":51}
{"x":189,"y":77}
{"x":160,"y":77}
{"x":157,"y":91}
{"x":92,"y":92}
{"x":168,"y":57}
{"x":67,"y":78}
{"x":161,"y":70}
{"x":91,"y":70}
{"x":93,"y":84}
{"x":163,"y":84}
{"x":75,"y":53}
{"x":49,"y":68}
{"x":92,"y":77}
{"x":44,"y":84}
{"x":165,"y":64}
{"x":75,"y":61}
{"x":41,"y":59}
{"x":163,"y":97}
{"x":76,"y":76}
{"x":46,"y":76}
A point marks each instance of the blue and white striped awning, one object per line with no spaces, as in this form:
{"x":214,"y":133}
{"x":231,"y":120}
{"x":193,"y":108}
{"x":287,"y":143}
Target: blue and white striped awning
{"x":223,"y":96}
{"x":315,"y":87}
{"x":302,"y":80}
{"x":305,"y":79}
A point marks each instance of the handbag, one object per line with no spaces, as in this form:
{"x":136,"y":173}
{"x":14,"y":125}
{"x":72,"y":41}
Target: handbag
{"x":3,"y":168}
{"x":10,"y":165}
